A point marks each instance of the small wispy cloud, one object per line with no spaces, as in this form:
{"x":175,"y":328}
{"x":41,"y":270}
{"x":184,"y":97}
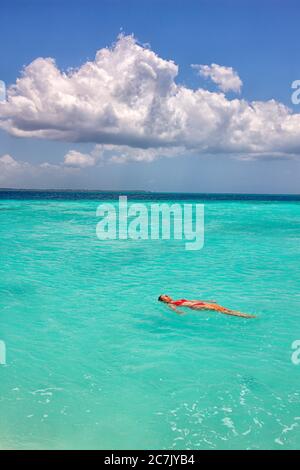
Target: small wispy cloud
{"x":2,"y":91}
{"x":79,"y":160}
{"x":226,"y":78}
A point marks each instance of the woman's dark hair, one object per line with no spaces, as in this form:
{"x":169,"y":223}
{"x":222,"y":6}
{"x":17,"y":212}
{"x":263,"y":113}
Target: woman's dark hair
{"x":160,"y":298}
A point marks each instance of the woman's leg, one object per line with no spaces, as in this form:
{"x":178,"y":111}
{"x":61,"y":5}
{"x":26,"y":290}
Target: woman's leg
{"x":226,"y":311}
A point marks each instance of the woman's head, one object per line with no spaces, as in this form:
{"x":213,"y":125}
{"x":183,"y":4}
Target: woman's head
{"x":165,"y":298}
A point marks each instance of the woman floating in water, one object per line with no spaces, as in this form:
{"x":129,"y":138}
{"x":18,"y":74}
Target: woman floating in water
{"x":200,"y":305}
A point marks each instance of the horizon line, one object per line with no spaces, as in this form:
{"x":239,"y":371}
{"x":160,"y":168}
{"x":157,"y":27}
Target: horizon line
{"x":143,"y":191}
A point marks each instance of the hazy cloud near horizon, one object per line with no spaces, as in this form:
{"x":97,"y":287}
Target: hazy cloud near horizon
{"x":127,"y":102}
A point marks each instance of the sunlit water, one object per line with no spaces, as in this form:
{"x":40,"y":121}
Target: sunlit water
{"x":94,"y":361}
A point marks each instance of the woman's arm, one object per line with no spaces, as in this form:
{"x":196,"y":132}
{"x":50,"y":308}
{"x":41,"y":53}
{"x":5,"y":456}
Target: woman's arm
{"x":172,"y":307}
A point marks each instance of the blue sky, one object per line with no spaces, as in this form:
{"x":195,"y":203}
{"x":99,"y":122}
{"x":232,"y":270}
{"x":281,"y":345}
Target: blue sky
{"x":259,"y":40}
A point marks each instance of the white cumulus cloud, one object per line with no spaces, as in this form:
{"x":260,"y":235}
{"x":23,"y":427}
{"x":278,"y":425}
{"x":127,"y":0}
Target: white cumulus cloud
{"x":127,"y":101}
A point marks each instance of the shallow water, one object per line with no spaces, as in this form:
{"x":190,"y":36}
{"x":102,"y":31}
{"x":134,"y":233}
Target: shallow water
{"x":94,"y":361}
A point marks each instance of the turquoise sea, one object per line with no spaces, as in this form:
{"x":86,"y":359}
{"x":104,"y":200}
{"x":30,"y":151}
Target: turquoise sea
{"x":95,"y":362}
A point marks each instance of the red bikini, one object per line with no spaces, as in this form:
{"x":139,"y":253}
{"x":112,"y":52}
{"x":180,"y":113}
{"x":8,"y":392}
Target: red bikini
{"x":179,"y":303}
